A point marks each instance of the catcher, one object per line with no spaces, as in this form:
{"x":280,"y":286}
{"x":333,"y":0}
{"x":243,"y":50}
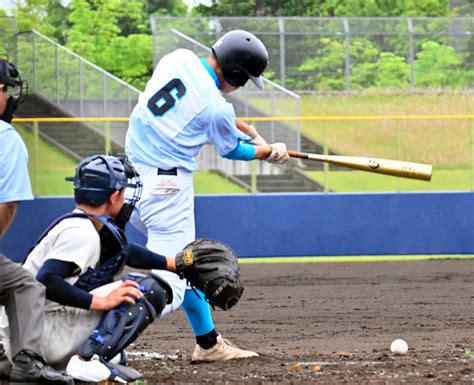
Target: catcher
{"x":78,"y":258}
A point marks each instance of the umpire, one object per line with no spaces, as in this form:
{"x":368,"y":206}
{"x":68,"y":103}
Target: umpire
{"x":21,"y":295}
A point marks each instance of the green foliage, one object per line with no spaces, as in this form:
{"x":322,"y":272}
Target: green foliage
{"x":364,"y":55}
{"x":115,"y":35}
{"x":325,"y":8}
{"x":96,"y":34}
{"x":393,"y":72}
{"x":129,"y":58}
{"x":370,"y":67}
{"x":325,"y":70}
{"x":438,"y":66}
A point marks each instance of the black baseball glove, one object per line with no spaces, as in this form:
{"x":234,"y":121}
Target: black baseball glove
{"x":212,"y":267}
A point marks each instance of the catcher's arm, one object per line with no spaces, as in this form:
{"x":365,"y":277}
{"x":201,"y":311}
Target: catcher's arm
{"x":212,"y":267}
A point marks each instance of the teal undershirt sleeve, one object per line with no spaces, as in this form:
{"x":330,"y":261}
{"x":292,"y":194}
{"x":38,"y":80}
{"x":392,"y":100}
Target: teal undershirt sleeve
{"x":243,"y":151}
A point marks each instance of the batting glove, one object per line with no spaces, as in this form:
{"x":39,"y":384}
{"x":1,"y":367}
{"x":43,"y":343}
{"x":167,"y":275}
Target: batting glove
{"x":279,"y":153}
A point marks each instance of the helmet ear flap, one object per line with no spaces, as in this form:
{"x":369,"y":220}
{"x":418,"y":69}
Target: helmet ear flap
{"x":236,"y":76}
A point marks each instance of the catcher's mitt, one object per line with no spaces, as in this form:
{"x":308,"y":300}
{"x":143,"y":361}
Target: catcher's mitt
{"x":212,"y":267}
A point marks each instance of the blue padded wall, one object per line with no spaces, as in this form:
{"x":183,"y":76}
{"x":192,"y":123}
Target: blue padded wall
{"x":267,"y":225}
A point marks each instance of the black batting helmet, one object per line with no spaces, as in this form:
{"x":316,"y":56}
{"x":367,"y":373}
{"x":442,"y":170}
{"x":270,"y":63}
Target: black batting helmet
{"x":241,"y":56}
{"x":8,"y":73}
{"x":99,"y":176}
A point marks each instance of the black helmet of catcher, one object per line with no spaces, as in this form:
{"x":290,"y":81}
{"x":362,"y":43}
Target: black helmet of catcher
{"x":241,"y":56}
{"x":99,"y":176}
{"x":10,"y":78}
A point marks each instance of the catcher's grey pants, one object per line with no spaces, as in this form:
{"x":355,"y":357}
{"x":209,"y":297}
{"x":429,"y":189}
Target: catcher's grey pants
{"x":23,"y":298}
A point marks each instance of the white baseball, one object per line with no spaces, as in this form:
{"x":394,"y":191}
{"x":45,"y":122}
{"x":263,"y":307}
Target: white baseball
{"x":399,"y":347}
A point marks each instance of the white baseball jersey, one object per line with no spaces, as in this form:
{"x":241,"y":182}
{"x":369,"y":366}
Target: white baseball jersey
{"x":180,"y":110}
{"x":72,"y":240}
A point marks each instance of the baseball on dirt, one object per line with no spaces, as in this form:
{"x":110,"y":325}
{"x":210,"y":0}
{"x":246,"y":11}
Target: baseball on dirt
{"x":399,"y":347}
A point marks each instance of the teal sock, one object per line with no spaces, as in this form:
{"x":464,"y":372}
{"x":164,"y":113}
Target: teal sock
{"x":198,"y":312}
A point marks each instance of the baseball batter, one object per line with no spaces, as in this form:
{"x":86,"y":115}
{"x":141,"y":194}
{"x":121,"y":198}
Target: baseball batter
{"x":181,"y":109}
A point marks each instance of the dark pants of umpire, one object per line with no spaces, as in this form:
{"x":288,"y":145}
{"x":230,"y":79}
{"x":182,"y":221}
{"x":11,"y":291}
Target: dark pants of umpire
{"x":23,"y":298}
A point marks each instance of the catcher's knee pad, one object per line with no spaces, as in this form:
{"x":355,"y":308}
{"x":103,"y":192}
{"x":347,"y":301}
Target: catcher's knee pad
{"x":177,"y":285}
{"x":121,"y":326}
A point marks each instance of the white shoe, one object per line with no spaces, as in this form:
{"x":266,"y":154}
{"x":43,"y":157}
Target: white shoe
{"x":90,"y":371}
{"x":224,"y":350}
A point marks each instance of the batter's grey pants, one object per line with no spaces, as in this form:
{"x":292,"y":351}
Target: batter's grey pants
{"x":23,"y":298}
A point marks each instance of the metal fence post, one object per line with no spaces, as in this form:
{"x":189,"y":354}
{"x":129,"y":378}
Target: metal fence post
{"x":107,"y":147}
{"x":34,"y":61}
{"x":411,"y":54}
{"x":281,"y":25}
{"x":347,"y":42}
{"x":253,"y":176}
{"x":56,"y":54}
{"x":81,"y":87}
{"x":106,"y":112}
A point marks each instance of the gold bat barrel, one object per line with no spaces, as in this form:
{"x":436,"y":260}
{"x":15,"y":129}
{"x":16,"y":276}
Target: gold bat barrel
{"x":381,"y":166}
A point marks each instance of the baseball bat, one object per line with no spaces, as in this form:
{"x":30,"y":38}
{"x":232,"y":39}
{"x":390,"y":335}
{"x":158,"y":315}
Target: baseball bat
{"x":381,"y":166}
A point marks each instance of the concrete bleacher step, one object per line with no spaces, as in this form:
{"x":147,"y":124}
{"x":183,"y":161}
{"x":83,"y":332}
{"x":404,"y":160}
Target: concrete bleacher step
{"x":290,"y":181}
{"x":77,"y":139}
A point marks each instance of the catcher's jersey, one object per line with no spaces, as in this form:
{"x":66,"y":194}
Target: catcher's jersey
{"x":180,"y":110}
{"x":14,"y":180}
{"x":72,"y":240}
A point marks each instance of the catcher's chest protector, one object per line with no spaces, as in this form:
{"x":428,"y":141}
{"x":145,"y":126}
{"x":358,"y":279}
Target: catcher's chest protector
{"x":113,"y":252}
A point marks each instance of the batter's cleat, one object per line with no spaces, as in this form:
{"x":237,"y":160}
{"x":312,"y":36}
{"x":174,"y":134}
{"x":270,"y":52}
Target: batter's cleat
{"x":29,"y":367}
{"x":223,"y":350}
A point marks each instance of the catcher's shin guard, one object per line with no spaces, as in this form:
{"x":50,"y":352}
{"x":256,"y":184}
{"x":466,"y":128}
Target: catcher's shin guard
{"x":121,"y":326}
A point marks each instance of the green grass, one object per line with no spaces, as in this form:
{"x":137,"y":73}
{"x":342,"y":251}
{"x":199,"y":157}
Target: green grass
{"x":443,"y":143}
{"x":360,"y":181}
{"x":48,"y":166}
{"x":206,"y":182}
{"x":365,"y":258}
{"x":468,"y":353}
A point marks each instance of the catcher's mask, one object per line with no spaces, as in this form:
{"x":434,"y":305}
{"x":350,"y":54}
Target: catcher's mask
{"x":99,"y":176}
{"x":14,"y":85}
{"x":241,"y":56}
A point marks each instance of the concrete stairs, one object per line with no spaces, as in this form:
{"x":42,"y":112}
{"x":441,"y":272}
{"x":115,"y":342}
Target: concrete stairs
{"x":292,"y":180}
{"x":77,"y":139}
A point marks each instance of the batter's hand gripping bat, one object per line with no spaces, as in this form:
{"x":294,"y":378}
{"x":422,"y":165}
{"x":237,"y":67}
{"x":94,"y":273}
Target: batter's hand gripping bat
{"x":381,"y":166}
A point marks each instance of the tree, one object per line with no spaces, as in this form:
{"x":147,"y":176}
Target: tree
{"x":393,"y":72}
{"x":325,"y":8}
{"x":439,"y":66}
{"x":95,"y":33}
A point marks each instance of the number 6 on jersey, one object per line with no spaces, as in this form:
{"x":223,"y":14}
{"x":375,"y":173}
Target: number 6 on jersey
{"x":166,"y":97}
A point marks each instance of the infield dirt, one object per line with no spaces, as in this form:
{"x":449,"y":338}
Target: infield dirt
{"x":330,"y":323}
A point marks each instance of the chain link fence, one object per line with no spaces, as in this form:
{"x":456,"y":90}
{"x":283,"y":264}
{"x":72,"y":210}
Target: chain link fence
{"x":64,"y":84}
{"x":342,"y":55}
{"x":8,"y":32}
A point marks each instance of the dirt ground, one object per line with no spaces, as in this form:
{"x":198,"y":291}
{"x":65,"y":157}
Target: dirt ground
{"x":331,"y":323}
